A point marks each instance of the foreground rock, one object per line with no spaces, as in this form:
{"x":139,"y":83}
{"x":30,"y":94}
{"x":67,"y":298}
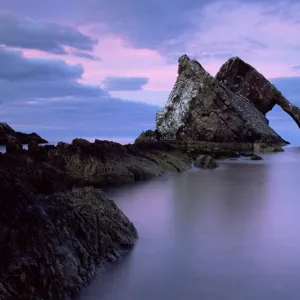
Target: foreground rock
{"x":23,"y":138}
{"x":202,"y":109}
{"x":206,"y":162}
{"x":245,"y":80}
{"x":51,"y":246}
{"x":52,"y":239}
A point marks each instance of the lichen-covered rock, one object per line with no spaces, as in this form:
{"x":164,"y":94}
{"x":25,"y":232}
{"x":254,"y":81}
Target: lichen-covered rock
{"x":206,"y":162}
{"x":245,"y":80}
{"x":51,"y":246}
{"x":201,"y":108}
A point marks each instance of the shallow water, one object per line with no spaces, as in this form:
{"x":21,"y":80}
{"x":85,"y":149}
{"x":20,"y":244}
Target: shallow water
{"x":225,"y":234}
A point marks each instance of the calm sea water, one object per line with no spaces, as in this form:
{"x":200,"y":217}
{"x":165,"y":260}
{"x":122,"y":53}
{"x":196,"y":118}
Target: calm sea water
{"x":225,"y":234}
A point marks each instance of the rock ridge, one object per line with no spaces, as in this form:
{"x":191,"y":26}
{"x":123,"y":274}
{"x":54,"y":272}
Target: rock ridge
{"x":6,"y":132}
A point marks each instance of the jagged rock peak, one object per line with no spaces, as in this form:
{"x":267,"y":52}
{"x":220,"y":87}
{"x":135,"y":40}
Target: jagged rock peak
{"x":201,"y":108}
{"x":189,"y":66}
{"x":242,"y":78}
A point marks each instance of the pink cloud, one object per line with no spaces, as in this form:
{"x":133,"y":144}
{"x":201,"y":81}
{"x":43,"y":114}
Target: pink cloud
{"x":266,"y":40}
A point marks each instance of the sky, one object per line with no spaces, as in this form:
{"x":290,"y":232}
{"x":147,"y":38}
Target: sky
{"x":103,"y":68}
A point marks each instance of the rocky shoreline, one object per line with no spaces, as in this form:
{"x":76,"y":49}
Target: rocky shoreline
{"x":53,"y":239}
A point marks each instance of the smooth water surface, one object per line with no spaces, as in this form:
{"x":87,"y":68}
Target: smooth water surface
{"x":225,"y":234}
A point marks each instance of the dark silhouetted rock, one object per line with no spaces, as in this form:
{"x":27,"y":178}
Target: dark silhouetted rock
{"x":148,"y":135}
{"x":13,"y":145}
{"x":202,"y":109}
{"x":33,"y":146}
{"x":243,"y":79}
{"x":206,"y":162}
{"x":22,"y":138}
{"x":51,"y":246}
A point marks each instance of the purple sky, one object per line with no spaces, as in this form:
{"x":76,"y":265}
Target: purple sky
{"x":102,"y":68}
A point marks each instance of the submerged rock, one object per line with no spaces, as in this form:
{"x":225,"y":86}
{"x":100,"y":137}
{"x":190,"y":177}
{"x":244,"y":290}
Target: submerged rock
{"x":206,"y":162}
{"x":201,"y":108}
{"x":267,"y":148}
{"x":255,"y":157}
{"x":245,"y":80}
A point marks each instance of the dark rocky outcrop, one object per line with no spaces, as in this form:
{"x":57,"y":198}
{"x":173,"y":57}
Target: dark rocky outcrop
{"x":206,"y":162}
{"x":148,"y":135}
{"x":13,"y":145}
{"x":104,"y":163}
{"x":22,"y":138}
{"x":51,"y":239}
{"x":50,"y":246}
{"x":202,"y":109}
{"x":243,"y":79}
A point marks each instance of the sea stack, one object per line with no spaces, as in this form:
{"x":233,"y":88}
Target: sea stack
{"x":200,"y":108}
{"x":245,"y":80}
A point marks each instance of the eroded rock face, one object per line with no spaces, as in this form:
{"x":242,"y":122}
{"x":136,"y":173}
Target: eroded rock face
{"x":58,"y":241}
{"x":245,"y":80}
{"x":105,"y":163}
{"x":201,"y":108}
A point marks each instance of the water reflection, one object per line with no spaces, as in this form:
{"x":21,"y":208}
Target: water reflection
{"x":230,"y":233}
